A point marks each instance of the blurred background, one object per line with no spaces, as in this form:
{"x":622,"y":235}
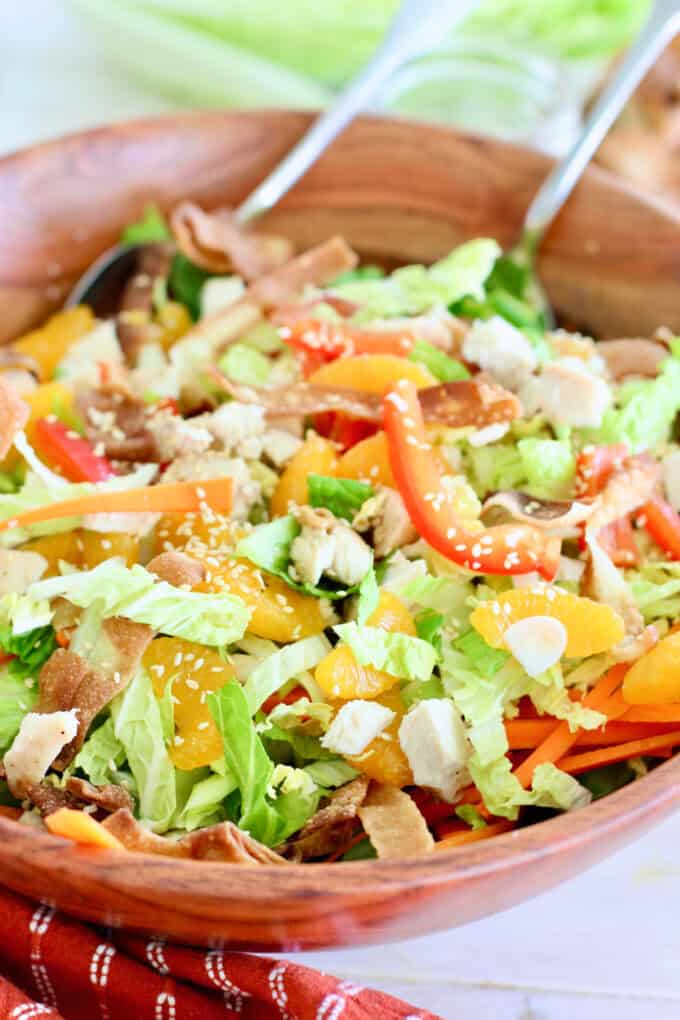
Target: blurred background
{"x":520,"y":69}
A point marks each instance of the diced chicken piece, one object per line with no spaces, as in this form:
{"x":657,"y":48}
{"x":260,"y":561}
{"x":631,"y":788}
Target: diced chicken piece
{"x":215,"y":464}
{"x":131,"y":523}
{"x":501,"y":350}
{"x":39,"y":741}
{"x":234,"y":424}
{"x":671,"y":478}
{"x":329,"y":546}
{"x":81,"y":363}
{"x":400,"y":572}
{"x":433,"y":738}
{"x":19,"y":569}
{"x":571,"y":395}
{"x":176,"y":437}
{"x":355,"y":726}
{"x":279,"y":446}
{"x":387,"y":515}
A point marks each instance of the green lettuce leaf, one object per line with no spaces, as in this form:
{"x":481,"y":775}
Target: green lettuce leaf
{"x":268,"y":547}
{"x":151,"y":227}
{"x":132,"y":592}
{"x":549,"y":467}
{"x":245,"y":365}
{"x":409,"y":658}
{"x":101,"y":755}
{"x":32,"y":648}
{"x":415,"y":289}
{"x":442,"y":367}
{"x":186,"y":283}
{"x":205,"y":803}
{"x":428,"y":628}
{"x":282,"y":666}
{"x":139,"y":728}
{"x":656,"y":589}
{"x":331,"y":774}
{"x":344,"y":497}
{"x":368,"y":597}
{"x":17,"y":699}
{"x":645,"y":411}
{"x":552,"y":788}
{"x":471,"y":815}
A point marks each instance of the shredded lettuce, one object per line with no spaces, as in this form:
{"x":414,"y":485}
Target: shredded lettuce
{"x":645,"y":411}
{"x":331,"y":774}
{"x":403,"y":656}
{"x":139,"y":728}
{"x":245,"y":365}
{"x":17,"y":698}
{"x":101,"y":755}
{"x":416,"y":289}
{"x":344,"y":497}
{"x":186,"y":283}
{"x":442,"y":367}
{"x":448,"y":596}
{"x":471,"y":815}
{"x":656,"y":589}
{"x":552,"y":788}
{"x":132,"y":592}
{"x":205,"y":803}
{"x":498,"y":466}
{"x":280,"y":667}
{"x":428,"y":628}
{"x":151,"y":227}
{"x":31,"y":648}
{"x":368,"y":597}
{"x":268,"y":547}
{"x":549,"y":466}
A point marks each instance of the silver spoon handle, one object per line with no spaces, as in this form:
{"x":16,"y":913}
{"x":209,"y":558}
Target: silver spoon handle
{"x":663,"y":23}
{"x":416,"y":23}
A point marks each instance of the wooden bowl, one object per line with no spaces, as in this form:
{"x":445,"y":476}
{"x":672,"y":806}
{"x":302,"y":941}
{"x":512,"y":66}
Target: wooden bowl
{"x":397,"y":191}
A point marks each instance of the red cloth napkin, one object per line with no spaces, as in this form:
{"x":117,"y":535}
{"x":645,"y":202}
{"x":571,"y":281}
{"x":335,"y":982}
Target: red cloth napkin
{"x":56,"y":967}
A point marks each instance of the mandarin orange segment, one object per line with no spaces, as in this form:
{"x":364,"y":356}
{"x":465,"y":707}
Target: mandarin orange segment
{"x":371,"y":373}
{"x":50,"y":343}
{"x":63,"y":546}
{"x":368,"y":461}
{"x":655,"y":677}
{"x":340,"y":676}
{"x":383,"y":760}
{"x":211,"y":533}
{"x":316,"y":456}
{"x":174,"y":320}
{"x":97,"y":546}
{"x":279,"y":613}
{"x":196,"y":671}
{"x":591,"y":627}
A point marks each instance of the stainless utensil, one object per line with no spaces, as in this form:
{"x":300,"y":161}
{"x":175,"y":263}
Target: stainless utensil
{"x":415,"y":25}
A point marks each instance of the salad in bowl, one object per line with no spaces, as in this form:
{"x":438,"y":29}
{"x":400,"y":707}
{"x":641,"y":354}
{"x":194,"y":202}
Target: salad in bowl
{"x":303,"y":560}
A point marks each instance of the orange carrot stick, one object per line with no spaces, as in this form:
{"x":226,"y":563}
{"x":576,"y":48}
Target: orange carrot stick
{"x":178,"y":497}
{"x":81,"y":828}
{"x":575,"y":763}
{"x":472,"y":835}
{"x":562,"y":739}
{"x":527,"y":734}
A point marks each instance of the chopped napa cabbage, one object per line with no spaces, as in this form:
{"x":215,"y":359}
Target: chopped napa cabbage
{"x":442,"y":367}
{"x":472,"y":816}
{"x":245,"y":365}
{"x":446,"y":595}
{"x":132,"y":592}
{"x":205,"y":803}
{"x":368,"y":597}
{"x":151,"y":227}
{"x":312,"y":716}
{"x":268,"y":547}
{"x":280,"y":667}
{"x":139,"y":728}
{"x":549,"y":696}
{"x":403,"y":656}
{"x":24,"y":634}
{"x":656,"y":589}
{"x":269,"y":814}
{"x":503,"y":794}
{"x":17,"y":699}
{"x":429,"y":626}
{"x":498,"y":466}
{"x":101,"y":755}
{"x":552,"y":788}
{"x":344,"y":497}
{"x":416,"y":289}
{"x":645,"y":411}
{"x":549,"y":467}
{"x":331,"y":774}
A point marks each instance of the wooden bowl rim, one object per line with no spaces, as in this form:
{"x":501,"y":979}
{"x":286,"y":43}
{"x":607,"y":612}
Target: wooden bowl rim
{"x":643,"y":797}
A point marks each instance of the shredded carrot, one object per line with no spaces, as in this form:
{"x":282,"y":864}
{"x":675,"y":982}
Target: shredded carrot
{"x":652,"y":714}
{"x":472,"y":835}
{"x":561,"y":739}
{"x":575,"y":763}
{"x":527,"y":734}
{"x":10,"y":812}
{"x":81,"y":828}
{"x":179,"y":497}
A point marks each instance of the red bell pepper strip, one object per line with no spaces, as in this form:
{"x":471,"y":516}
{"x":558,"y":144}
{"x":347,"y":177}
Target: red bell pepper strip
{"x":70,"y":453}
{"x":594,"y":467}
{"x":319,"y":342}
{"x":506,"y":549}
{"x":342,"y":429}
{"x":662,"y":523}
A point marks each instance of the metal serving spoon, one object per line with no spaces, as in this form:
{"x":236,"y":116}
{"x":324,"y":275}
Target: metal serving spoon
{"x":415,"y":25}
{"x":662,"y":25}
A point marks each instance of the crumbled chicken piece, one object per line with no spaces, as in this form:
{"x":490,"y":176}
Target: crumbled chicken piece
{"x":233,"y":423}
{"x":400,"y":572}
{"x":433,"y":738}
{"x":40,"y":739}
{"x":176,"y":437}
{"x":355,"y":725}
{"x":571,"y":395}
{"x":81,"y":363}
{"x":19,"y":569}
{"x":671,"y":478}
{"x":279,"y":446}
{"x":215,"y":464}
{"x":501,"y":350}
{"x":578,"y":347}
{"x":329,"y":546}
{"x":386,"y":514}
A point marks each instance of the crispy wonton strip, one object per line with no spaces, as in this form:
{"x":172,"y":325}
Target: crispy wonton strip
{"x":542,"y":513}
{"x":478,"y":401}
{"x":14,"y":414}
{"x":394,"y":824}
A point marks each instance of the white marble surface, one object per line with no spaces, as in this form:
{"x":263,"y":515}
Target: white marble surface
{"x":601,"y":947}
